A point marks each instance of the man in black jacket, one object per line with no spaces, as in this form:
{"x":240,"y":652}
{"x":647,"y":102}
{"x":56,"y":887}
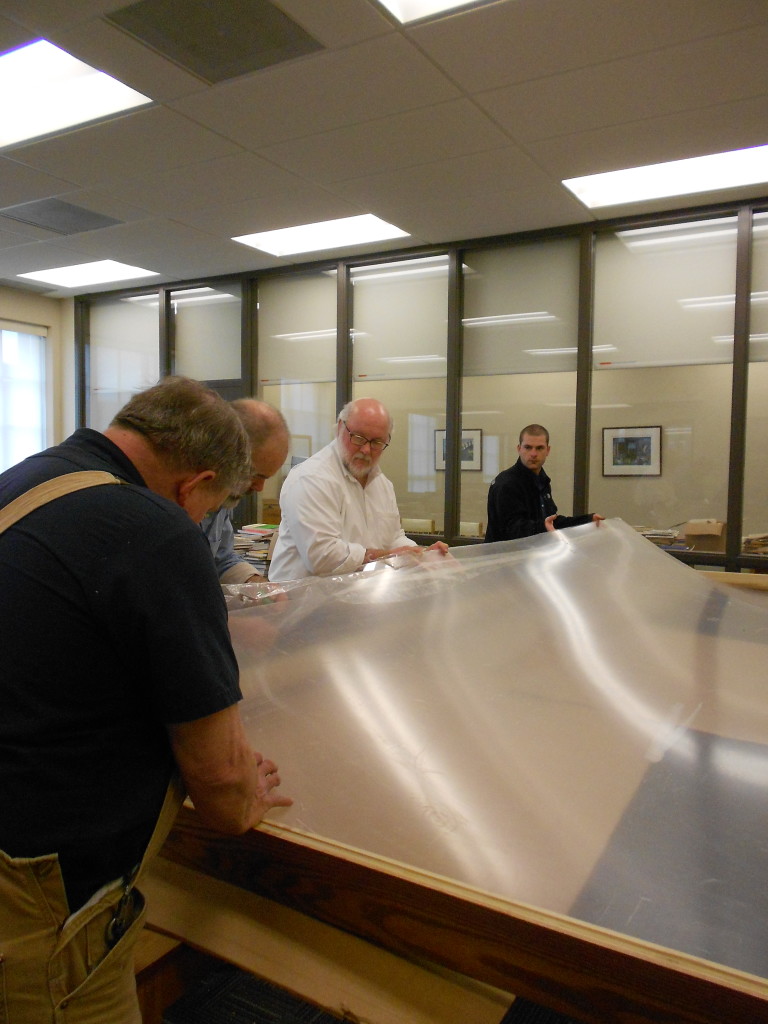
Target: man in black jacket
{"x":520,"y":501}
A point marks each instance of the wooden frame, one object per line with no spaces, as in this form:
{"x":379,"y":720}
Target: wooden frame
{"x":570,"y":966}
{"x":631,"y":451}
{"x":470,"y":451}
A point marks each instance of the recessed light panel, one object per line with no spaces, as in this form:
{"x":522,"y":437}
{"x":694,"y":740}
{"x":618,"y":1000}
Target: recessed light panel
{"x":327,"y":234}
{"x":414,"y":10}
{"x":51,"y":90}
{"x":84,"y":274}
{"x":676,"y":178}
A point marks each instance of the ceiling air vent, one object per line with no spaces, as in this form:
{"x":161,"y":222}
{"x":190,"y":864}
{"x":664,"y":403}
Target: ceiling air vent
{"x":216,"y":41}
{"x":56,"y":215}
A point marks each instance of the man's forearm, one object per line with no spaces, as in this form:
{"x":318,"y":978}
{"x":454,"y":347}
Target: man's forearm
{"x":231,"y":786}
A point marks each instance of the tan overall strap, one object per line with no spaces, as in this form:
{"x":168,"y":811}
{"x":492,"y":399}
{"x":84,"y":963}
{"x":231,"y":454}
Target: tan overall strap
{"x":22,"y":506}
{"x":50,"y":489}
{"x":174,"y":798}
{"x":68,"y":483}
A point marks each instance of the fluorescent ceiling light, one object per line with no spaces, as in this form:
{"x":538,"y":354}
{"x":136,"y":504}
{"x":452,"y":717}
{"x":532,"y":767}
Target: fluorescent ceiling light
{"x":101,"y":272}
{"x":413,"y":10}
{"x":52,"y":90}
{"x":676,"y":178}
{"x":327,"y":234}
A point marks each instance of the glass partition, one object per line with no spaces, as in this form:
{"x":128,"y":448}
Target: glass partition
{"x":124,"y":353}
{"x":207,"y":331}
{"x":297,"y":364}
{"x":520,"y":333}
{"x":661,"y":391}
{"x":755,"y":525}
{"x":400,"y":357}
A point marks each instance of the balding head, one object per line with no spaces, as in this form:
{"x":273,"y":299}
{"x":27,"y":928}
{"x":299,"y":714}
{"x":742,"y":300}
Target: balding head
{"x":269,"y":436}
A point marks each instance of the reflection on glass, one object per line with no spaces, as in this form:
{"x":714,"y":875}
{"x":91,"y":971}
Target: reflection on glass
{"x":399,"y":356}
{"x":664,"y":300}
{"x":520,"y":332}
{"x":124,"y":353}
{"x":297,"y":364}
{"x":755,"y":522}
{"x":207,"y":331}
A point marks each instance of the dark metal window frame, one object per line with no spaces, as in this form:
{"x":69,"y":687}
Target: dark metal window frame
{"x":587,"y":234}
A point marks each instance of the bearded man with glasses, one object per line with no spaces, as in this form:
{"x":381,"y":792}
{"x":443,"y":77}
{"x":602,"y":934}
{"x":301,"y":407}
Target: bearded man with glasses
{"x":338,"y":509}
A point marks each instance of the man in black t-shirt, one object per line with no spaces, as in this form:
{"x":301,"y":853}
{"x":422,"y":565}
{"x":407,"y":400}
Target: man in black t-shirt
{"x":117,"y":670}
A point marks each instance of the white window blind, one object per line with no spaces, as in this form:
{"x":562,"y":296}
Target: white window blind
{"x":22,"y":391}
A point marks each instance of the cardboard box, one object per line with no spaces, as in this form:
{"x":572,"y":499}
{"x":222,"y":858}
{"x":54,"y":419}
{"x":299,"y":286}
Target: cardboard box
{"x":704,"y":534}
{"x":270,"y":512}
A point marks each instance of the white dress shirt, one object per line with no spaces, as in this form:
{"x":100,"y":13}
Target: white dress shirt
{"x":328,"y":519}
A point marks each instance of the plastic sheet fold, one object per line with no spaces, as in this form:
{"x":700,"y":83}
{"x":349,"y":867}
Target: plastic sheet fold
{"x":575,"y":721}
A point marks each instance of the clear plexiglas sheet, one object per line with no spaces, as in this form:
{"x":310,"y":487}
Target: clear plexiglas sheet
{"x":575,"y":721}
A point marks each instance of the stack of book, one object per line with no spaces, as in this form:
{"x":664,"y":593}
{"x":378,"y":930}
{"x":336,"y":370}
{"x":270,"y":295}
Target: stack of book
{"x":252,"y":543}
{"x":668,"y":539}
{"x":755,"y":544}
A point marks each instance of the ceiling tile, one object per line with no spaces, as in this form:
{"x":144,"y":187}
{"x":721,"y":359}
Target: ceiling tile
{"x":454,"y":128}
{"x":45,"y":17}
{"x":338,"y":24}
{"x":419,"y":136}
{"x":279,"y":209}
{"x":455,"y":177}
{"x":42,"y":255}
{"x":22,"y":184}
{"x":634,"y":89}
{"x":371,"y":80}
{"x":147,"y":141}
{"x":129,"y":61}
{"x":13,"y":35}
{"x":205,"y":183}
{"x":495,"y":213}
{"x":676,"y":137}
{"x":533,"y":39}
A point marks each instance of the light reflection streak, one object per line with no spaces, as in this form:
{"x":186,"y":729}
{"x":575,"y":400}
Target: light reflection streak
{"x":417,"y":774}
{"x":583,"y":643}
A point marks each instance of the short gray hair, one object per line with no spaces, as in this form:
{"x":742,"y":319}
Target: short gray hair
{"x":350,"y":407}
{"x":191,"y":428}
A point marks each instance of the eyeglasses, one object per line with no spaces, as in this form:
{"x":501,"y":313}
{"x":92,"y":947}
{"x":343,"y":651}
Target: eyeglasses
{"x":377,"y":445}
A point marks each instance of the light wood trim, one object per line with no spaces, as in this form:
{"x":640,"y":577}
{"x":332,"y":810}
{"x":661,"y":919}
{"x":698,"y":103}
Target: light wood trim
{"x":151,"y":947}
{"x":572,"y":967}
{"x":750,"y":580}
{"x":344,"y":974}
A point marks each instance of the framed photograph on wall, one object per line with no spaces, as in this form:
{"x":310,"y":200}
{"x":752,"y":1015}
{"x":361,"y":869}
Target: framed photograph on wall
{"x":631,"y":451}
{"x":470,"y":449}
